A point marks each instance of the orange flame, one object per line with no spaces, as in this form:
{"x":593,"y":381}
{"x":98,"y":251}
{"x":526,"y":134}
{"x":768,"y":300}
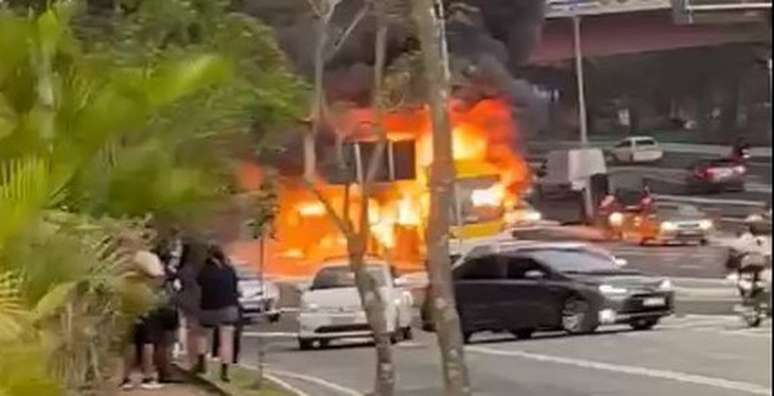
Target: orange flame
{"x":482,"y":138}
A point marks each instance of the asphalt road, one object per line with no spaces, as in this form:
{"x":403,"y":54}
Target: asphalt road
{"x":703,"y":350}
{"x":686,"y":356}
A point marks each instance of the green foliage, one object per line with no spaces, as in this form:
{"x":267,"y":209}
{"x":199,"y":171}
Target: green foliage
{"x":181,"y":154}
{"x":140,"y":118}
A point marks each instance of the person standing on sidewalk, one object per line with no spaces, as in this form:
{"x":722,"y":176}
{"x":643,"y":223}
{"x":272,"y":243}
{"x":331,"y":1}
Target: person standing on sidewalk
{"x":147,"y":330}
{"x":219,"y":307}
{"x":169,"y":252}
{"x":193,"y":258}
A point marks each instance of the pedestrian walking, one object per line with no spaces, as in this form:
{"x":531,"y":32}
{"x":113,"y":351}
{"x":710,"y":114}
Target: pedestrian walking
{"x":147,"y":330}
{"x":219,"y":306}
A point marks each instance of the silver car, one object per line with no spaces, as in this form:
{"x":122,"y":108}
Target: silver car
{"x":258,"y":297}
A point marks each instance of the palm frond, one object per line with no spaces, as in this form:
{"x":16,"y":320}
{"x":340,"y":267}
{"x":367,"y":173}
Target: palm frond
{"x":13,"y":315}
{"x":23,"y":193}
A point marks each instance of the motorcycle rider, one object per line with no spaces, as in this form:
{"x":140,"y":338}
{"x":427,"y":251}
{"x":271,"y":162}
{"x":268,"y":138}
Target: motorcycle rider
{"x":647,"y":201}
{"x":741,"y":150}
{"x":607,"y":207}
{"x":754,"y":282}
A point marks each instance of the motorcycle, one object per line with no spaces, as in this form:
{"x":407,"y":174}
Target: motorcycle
{"x":754,"y":288}
{"x":609,"y":217}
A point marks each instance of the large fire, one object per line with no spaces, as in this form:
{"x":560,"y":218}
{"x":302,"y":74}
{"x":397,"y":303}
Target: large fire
{"x":483,"y":137}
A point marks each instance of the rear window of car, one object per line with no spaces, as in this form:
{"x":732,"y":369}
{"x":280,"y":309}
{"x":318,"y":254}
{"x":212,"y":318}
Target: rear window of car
{"x":342,"y":276}
{"x":573,"y":260}
{"x":722,"y":163}
{"x":646,"y":142}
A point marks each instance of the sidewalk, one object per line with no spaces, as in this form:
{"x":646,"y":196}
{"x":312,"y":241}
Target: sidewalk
{"x":167,"y":390}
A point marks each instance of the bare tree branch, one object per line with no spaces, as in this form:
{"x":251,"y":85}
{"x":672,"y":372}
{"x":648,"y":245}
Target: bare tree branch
{"x":344,"y":36}
{"x":376,"y":159}
{"x":343,"y":225}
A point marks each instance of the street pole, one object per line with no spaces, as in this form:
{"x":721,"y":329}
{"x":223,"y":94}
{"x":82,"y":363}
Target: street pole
{"x":582,"y":119}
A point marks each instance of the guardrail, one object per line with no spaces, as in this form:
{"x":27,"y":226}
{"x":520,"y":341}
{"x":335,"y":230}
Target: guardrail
{"x":568,"y":8}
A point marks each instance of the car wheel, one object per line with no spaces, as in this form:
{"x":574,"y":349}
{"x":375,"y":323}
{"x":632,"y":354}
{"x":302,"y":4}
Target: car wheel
{"x":704,"y":242}
{"x":274,"y":318}
{"x":576,"y":318}
{"x":305,"y":344}
{"x":466,"y":336}
{"x":644,"y":241}
{"x":523,"y":334}
{"x":753,"y":317}
{"x":324,"y":344}
{"x":408,"y":333}
{"x":643,"y":324}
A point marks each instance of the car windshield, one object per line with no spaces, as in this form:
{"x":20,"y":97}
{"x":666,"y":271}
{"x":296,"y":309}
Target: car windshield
{"x":246,"y":273}
{"x":342,"y":276}
{"x":679,"y":210}
{"x":479,"y":199}
{"x":575,"y":260}
{"x":646,"y":142}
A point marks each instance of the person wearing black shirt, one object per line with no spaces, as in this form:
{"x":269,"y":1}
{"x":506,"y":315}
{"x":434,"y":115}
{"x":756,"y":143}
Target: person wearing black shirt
{"x":219,"y":304}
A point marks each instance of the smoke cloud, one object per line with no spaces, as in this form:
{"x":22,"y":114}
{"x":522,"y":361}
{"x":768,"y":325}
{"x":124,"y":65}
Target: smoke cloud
{"x":488,"y":40}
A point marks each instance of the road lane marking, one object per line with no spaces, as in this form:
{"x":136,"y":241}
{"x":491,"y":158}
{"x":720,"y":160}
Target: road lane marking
{"x":702,"y":200}
{"x":317,"y":381}
{"x":631,"y":370}
{"x":267,"y":334}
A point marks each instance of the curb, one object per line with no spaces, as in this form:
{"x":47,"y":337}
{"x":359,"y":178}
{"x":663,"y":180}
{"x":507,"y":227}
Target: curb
{"x":219,"y":390}
{"x":202,"y":382}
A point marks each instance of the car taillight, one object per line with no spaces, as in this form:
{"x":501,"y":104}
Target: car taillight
{"x":700,"y":173}
{"x":740,"y":169}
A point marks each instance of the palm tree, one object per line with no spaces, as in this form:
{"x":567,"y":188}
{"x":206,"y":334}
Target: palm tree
{"x":66,"y":288}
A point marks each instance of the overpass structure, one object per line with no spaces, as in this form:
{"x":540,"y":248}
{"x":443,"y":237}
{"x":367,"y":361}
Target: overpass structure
{"x":621,"y":27}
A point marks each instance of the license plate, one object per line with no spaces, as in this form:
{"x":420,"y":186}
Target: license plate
{"x":343,"y":320}
{"x":654,"y":302}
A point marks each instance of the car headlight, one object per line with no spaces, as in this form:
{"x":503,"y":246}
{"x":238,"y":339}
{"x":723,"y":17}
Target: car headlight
{"x":533,"y":216}
{"x":665,"y":285}
{"x":616,"y":219}
{"x":705,"y":224}
{"x":754,"y":218}
{"x":310,"y":307}
{"x":609,"y":289}
{"x":668,"y":226}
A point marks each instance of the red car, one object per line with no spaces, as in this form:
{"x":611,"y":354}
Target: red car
{"x":717,"y":176}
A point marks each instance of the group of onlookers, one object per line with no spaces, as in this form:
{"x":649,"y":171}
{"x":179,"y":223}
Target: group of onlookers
{"x":198,"y":296}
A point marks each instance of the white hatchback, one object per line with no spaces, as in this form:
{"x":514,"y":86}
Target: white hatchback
{"x":637,"y":149}
{"x":331,"y":308}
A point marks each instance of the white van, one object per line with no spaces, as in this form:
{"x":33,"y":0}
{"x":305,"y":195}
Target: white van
{"x":569,"y":170}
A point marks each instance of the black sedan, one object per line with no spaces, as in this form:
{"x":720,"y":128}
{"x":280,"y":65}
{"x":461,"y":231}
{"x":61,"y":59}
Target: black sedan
{"x":523,"y":287}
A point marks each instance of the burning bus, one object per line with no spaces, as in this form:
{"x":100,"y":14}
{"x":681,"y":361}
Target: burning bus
{"x":490,"y":177}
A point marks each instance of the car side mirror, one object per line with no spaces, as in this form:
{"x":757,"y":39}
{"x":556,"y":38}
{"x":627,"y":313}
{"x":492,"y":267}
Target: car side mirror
{"x":534,"y":275}
{"x":621,"y":262}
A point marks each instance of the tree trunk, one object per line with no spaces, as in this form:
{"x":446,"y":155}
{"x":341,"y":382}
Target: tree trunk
{"x":371,"y":298}
{"x":357,"y":238}
{"x":374,"y":306}
{"x":428,"y":15}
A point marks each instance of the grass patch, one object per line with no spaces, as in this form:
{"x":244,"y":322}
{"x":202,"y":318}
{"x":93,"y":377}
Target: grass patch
{"x":243,"y":383}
